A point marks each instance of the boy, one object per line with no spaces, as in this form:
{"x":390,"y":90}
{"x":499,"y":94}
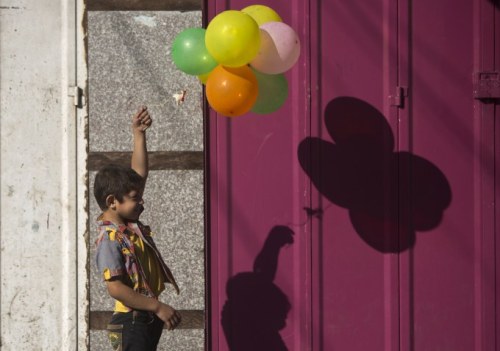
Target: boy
{"x":127,"y":256}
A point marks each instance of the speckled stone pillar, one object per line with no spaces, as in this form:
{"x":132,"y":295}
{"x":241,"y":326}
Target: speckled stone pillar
{"x":129,"y":66}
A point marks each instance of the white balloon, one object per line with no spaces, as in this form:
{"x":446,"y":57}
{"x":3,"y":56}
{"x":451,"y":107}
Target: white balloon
{"x":279,"y":48}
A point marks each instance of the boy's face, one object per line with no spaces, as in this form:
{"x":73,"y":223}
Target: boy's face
{"x":131,"y":206}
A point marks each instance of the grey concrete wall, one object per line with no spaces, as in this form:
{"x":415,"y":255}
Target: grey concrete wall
{"x":130,"y":65}
{"x":42,"y":177}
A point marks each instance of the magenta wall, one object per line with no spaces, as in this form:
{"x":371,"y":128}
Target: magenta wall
{"x":344,"y":222}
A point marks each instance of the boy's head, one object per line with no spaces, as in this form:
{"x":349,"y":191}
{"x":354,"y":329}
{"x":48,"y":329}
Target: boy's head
{"x":119,"y":189}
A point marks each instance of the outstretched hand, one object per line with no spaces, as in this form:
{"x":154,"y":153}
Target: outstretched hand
{"x":141,"y":120}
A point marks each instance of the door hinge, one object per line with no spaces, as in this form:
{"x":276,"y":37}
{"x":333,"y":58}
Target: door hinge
{"x":78,"y":97}
{"x":398,"y":99}
{"x":486,"y":85}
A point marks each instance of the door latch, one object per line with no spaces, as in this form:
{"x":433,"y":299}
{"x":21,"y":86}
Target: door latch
{"x":398,"y":99}
{"x":487,"y":85}
{"x":78,"y":97}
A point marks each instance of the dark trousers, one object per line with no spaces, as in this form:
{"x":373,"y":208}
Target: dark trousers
{"x":135,"y":331}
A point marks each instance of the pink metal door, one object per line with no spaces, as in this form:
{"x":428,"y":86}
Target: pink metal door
{"x":362,"y":215}
{"x":259,"y":279}
{"x":447,"y":280}
{"x":352,"y":162}
{"x":402,"y":158}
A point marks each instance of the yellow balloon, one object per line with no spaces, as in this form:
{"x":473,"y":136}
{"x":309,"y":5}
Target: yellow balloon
{"x":233,"y":38}
{"x":262,"y":14}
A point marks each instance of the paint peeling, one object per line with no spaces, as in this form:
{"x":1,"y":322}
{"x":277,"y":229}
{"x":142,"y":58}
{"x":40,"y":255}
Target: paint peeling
{"x":146,"y":20}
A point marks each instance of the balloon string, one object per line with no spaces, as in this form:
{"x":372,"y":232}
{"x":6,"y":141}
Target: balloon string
{"x":318,"y":213}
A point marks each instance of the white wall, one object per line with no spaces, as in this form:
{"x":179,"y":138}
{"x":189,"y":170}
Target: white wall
{"x":42,"y":176}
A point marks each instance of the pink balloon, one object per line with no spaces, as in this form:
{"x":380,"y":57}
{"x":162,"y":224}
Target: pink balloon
{"x":279,"y":48}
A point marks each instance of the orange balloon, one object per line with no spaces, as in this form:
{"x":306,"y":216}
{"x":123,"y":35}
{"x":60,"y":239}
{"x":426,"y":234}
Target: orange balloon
{"x":232,"y":91}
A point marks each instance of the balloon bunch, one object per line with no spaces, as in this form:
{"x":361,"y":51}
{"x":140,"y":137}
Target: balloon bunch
{"x":241,"y":58}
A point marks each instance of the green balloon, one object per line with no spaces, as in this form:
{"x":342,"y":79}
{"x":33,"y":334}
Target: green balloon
{"x":190,"y":54}
{"x":273,"y":91}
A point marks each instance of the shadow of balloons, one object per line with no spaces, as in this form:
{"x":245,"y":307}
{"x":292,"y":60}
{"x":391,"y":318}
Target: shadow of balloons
{"x":256,"y":309}
{"x":496,"y":3}
{"x":390,"y":195}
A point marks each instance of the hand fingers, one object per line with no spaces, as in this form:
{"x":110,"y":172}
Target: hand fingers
{"x":169,"y":325}
{"x":174,"y":325}
{"x":141,"y":110}
{"x":146,"y":120}
{"x":174,"y":321}
{"x":144,"y":114}
{"x":141,"y":114}
{"x":146,"y":124}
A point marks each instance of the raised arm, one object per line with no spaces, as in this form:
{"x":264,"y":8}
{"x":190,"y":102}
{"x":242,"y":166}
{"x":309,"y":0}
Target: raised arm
{"x":140,"y":122}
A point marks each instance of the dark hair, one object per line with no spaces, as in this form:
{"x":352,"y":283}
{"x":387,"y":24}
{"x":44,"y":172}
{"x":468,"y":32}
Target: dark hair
{"x":117,"y":181}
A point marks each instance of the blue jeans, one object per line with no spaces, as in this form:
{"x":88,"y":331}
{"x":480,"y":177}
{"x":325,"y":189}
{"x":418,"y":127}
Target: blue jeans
{"x":135,"y":331}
